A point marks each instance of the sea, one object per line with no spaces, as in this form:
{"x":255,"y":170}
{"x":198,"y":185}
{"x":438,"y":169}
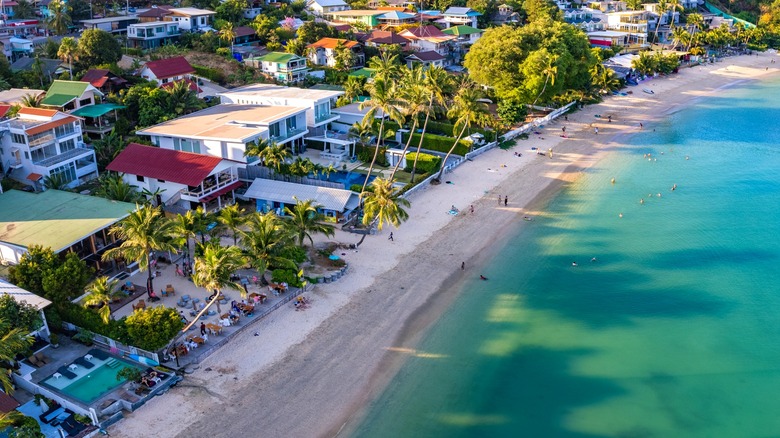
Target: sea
{"x":668,"y":325}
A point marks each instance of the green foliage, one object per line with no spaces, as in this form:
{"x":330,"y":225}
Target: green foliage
{"x":439,"y":143}
{"x":83,"y":419}
{"x":223,"y":51}
{"x":152,"y":328}
{"x":511,"y":110}
{"x":648,"y":63}
{"x":98,"y":47}
{"x":84,"y":337}
{"x":231,"y":10}
{"x":286,"y":276}
{"x":129,"y":374}
{"x":447,"y":129}
{"x":311,"y":32}
{"x":26,"y":427}
{"x":132,"y":51}
{"x":426,"y":163}
{"x":18,"y":315}
{"x":366,"y":153}
{"x":294,"y":253}
{"x":112,"y":186}
{"x":43,"y":273}
{"x":91,"y":321}
{"x":211,"y":74}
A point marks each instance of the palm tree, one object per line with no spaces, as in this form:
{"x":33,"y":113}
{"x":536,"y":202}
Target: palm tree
{"x":661,"y":7}
{"x":695,"y":20}
{"x":603,"y":78}
{"x":107,"y":148}
{"x":228,"y":35}
{"x":674,"y":6}
{"x":101,"y":293}
{"x":354,"y":87}
{"x":30,"y":100}
{"x":383,"y":206}
{"x":112,"y":186}
{"x":67,"y":51}
{"x":232,"y":217}
{"x":212,"y":270}
{"x":385,"y":67}
{"x":264,"y":241}
{"x":59,"y":16}
{"x":415,"y":102}
{"x":203,"y":223}
{"x":254,"y":148}
{"x":143,"y":232}
{"x":14,"y":341}
{"x":150,"y":197}
{"x":4,"y":85}
{"x":183,"y":99}
{"x":55,"y":181}
{"x":383,"y":100}
{"x":466,"y":110}
{"x":437,"y":81}
{"x":305,"y":220}
{"x":680,"y":36}
{"x":184,"y":226}
{"x":275,"y":156}
{"x":549,"y":72}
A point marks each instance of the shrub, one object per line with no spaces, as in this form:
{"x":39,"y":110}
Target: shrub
{"x":151,"y":329}
{"x":446,"y":129}
{"x":130,"y":374}
{"x":18,"y":314}
{"x":366,"y":154}
{"x":439,"y":143}
{"x":84,"y":337}
{"x":223,"y":51}
{"x":133,"y":52}
{"x":286,"y":276}
{"x":426,"y":163}
{"x":210,"y":73}
{"x":294,"y":253}
{"x":26,"y":427}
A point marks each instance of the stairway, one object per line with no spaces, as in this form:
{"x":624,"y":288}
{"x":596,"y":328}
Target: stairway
{"x":113,"y":363}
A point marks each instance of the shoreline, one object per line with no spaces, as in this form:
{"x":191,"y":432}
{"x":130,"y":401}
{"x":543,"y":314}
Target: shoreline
{"x":313,"y":373}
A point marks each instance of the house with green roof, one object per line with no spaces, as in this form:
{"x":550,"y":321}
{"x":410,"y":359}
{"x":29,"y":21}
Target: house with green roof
{"x":284,"y":67}
{"x":62,"y":221}
{"x":71,"y":95}
{"x":465,"y":34}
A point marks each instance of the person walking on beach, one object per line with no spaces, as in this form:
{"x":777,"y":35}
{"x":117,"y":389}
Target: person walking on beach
{"x":596,"y":130}
{"x":506,"y":200}
{"x":202,"y":329}
{"x":641,"y":126}
{"x":462,"y":266}
{"x":471,"y":208}
{"x":391,"y":237}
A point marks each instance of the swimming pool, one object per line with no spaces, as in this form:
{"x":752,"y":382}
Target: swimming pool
{"x":349,"y":178}
{"x":90,"y":384}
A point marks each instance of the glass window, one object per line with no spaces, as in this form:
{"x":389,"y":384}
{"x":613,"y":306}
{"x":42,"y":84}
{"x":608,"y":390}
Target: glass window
{"x":292,"y":124}
{"x":61,"y":131}
{"x":18,"y":138}
{"x":274,"y":129}
{"x":139,"y":178}
{"x":67,"y":145}
{"x":159,"y":29}
{"x":68,"y":171}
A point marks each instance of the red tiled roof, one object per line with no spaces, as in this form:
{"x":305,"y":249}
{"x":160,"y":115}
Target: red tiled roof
{"x":37,"y":112}
{"x":4,"y":110}
{"x":34,"y":176}
{"x":166,"y":68}
{"x":193,"y":85}
{"x":386,"y":37}
{"x":165,"y":164}
{"x":7,"y":403}
{"x":331,"y":43}
{"x":51,"y":125}
{"x":97,"y":77}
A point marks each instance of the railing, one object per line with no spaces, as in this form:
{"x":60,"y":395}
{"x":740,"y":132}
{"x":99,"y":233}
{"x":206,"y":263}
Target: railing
{"x":48,"y":138}
{"x":290,"y":133}
{"x":99,"y":128}
{"x":215,"y":187}
{"x":67,"y":155}
{"x":323,"y":117}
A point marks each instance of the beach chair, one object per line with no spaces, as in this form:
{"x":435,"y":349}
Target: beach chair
{"x":83,"y":362}
{"x":47,"y":418}
{"x":66,"y":373}
{"x":35,"y":362}
{"x":42,"y":358}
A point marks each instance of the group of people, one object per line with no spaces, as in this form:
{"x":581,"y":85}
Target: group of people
{"x":185,"y":270}
{"x":301,"y":303}
{"x":151,"y":379}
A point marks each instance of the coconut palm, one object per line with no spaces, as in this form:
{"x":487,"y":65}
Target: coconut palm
{"x":386,"y":67}
{"x":697,"y":21}
{"x":55,"y":181}
{"x":414,"y":98}
{"x":305,"y":219}
{"x":265,"y":238}
{"x":231,"y":218}
{"x":383,"y":100}
{"x":383,"y":206}
{"x":112,"y":186}
{"x":354,"y":87}
{"x":59,"y":16}
{"x":107,"y":148}
{"x":680,"y":36}
{"x":275,"y":156}
{"x":228,"y":35}
{"x":437,"y":81}
{"x":549,"y":72}
{"x":67,"y":52}
{"x":183,"y":99}
{"x":15,"y":341}
{"x":149,"y":197}
{"x":143,"y":232}
{"x":30,"y":100}
{"x":603,"y":78}
{"x":254,"y":148}
{"x":674,"y":6}
{"x":204,"y":222}
{"x":102,"y":292}
{"x":184,"y":226}
{"x":661,"y":8}
{"x":212,"y":270}
{"x":466,"y":110}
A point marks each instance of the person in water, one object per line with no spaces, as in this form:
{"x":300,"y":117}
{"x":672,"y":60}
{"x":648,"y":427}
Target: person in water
{"x":482,"y":277}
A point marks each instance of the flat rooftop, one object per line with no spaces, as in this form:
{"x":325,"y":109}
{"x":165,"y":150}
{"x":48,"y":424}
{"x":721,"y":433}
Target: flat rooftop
{"x":270,"y":90}
{"x":224,"y":122}
{"x":14,"y":95}
{"x":55,"y":218}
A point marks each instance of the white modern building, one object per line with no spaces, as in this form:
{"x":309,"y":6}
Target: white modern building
{"x":321,"y":7}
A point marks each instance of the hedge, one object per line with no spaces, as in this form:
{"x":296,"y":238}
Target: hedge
{"x":210,"y":73}
{"x":439,"y":143}
{"x":426,"y":163}
{"x":446,"y":129}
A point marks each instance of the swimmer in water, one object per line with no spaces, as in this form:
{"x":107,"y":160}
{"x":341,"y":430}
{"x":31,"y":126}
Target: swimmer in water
{"x":642,"y":201}
{"x":482,"y":277}
{"x":659,"y":195}
{"x":593,"y":259}
{"x":687,"y":157}
{"x":674,"y":187}
{"x":620,"y":215}
{"x":574,"y":264}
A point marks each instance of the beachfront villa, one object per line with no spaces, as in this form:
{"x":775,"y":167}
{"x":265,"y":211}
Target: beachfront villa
{"x":63,"y":221}
{"x":429,"y":38}
{"x":39,"y":143}
{"x":337,"y":204}
{"x":182,"y":180}
{"x":223,"y":131}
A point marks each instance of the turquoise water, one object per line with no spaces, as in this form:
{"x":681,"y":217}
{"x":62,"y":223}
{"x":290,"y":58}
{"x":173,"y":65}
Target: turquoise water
{"x":88,"y":388}
{"x":672,"y":332}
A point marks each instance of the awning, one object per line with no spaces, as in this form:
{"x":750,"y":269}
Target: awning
{"x":221,"y":191}
{"x":97,"y":110}
{"x":34,"y":176}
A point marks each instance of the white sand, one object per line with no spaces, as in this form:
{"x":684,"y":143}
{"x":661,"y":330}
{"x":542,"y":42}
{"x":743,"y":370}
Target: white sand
{"x":310,"y":373}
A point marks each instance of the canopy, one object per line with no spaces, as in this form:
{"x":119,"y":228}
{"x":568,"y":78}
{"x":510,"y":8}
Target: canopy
{"x":97,"y":110}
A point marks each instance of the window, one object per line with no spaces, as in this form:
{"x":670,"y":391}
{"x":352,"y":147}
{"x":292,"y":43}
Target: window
{"x":139,"y":178}
{"x":61,"y":131}
{"x":26,"y":155}
{"x":18,"y":139}
{"x":292,"y":124}
{"x":85,"y":102}
{"x":68,"y":171}
{"x":67,"y":145}
{"x":165,"y":81}
{"x":161,"y":181}
{"x":182,"y":144}
{"x":273,"y":130}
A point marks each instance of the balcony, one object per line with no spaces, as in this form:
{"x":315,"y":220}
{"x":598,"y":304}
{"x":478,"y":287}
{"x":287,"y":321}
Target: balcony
{"x":79,"y":152}
{"x":325,"y":117}
{"x":102,"y":128}
{"x":290,"y":133}
{"x":34,"y":142}
{"x":210,"y":185}
{"x":294,"y":68}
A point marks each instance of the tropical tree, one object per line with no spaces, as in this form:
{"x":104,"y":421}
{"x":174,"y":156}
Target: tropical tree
{"x":386,"y":67}
{"x":30,"y":100}
{"x":67,"y":51}
{"x":383,"y":100}
{"x":15,"y":341}
{"x":305,"y":219}
{"x":697,"y":21}
{"x":634,"y":4}
{"x":204,"y":222}
{"x":4,"y":85}
{"x":466,"y":110}
{"x":143,"y":232}
{"x":107,"y":148}
{"x":437,"y":82}
{"x":344,"y":57}
{"x":254,"y":148}
{"x":414,"y":98}
{"x":185,"y":227}
{"x":231,"y":218}
{"x":228,"y":34}
{"x":183,"y":100}
{"x":59,"y":16}
{"x":56,"y":181}
{"x":213,"y":269}
{"x":24,"y":9}
{"x":661,"y":7}
{"x":603,"y":79}
{"x":680,"y":36}
{"x":383,"y":205}
{"x":275,"y":156}
{"x":101,"y":293}
{"x":549,"y":71}
{"x":112,"y":186}
{"x":266,"y":236}
{"x":674,"y":7}
{"x":149,"y":197}
{"x":97,"y":46}
{"x":353,"y":87}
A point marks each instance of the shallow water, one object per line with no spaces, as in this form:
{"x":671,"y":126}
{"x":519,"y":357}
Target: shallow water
{"x":672,"y":331}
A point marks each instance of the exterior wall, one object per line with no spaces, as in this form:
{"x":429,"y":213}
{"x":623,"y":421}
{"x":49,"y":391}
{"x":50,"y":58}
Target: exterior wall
{"x":325,"y":114}
{"x":162,"y":33}
{"x":11,"y":253}
{"x":146,"y":73}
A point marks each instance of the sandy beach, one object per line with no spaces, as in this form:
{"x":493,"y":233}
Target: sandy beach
{"x":311,"y":373}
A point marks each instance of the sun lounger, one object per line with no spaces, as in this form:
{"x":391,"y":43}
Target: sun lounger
{"x":35,"y":362}
{"x":100,"y":354}
{"x":42,"y":357}
{"x":52,"y":415}
{"x":66,"y":373}
{"x":53,"y":408}
{"x":83,"y":362}
{"x":56,"y":421}
{"x":72,"y":427}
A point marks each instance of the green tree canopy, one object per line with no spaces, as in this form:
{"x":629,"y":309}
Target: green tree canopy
{"x":152,"y":329}
{"x":98,"y":47}
{"x":15,"y":314}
